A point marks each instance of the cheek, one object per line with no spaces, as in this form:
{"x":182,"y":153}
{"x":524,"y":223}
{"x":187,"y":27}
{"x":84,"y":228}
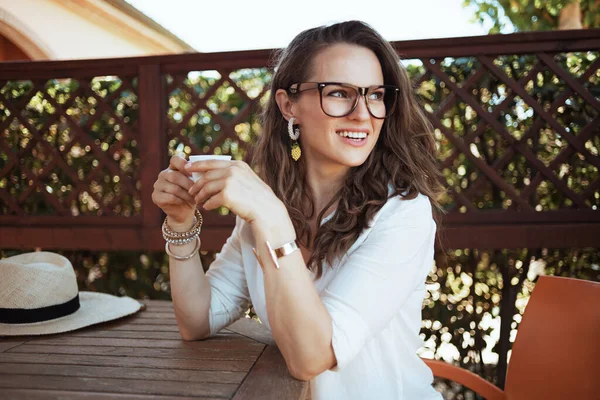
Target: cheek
{"x":378,"y":126}
{"x":317,"y":124}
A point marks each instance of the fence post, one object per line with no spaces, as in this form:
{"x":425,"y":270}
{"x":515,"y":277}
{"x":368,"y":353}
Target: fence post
{"x":153,"y":147}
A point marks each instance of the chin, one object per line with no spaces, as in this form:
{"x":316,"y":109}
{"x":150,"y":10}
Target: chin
{"x":355,"y":161}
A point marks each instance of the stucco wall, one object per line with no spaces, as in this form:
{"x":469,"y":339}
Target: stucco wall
{"x":73,"y":30}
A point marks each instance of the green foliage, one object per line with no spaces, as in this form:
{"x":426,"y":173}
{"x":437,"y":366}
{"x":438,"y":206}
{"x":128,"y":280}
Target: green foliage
{"x":199,"y":129}
{"x":74,"y":142}
{"x":490,"y":100}
{"x":529,"y":15}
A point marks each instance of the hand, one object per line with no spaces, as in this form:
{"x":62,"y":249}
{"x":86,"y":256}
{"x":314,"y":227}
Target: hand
{"x":232,"y":184}
{"x":171,"y":194}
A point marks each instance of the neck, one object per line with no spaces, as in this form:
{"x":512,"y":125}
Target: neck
{"x":324,"y":182}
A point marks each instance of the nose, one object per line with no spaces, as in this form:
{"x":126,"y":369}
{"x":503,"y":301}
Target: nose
{"x":361,"y":112}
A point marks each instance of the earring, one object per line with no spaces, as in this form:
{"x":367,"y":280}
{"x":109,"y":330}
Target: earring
{"x":294,"y":135}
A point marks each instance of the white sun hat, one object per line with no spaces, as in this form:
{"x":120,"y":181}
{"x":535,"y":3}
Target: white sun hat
{"x":39,"y":296}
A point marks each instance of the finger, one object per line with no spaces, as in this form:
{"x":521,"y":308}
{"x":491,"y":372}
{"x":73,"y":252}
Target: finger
{"x":167,"y":199}
{"x":212,"y":175}
{"x":206,"y":165}
{"x":179,"y":179}
{"x":209,"y":189}
{"x":177,"y":163}
{"x":215,"y":201}
{"x":175,"y":190}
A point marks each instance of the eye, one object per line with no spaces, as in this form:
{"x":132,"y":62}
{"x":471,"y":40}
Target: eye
{"x":378,"y":95}
{"x":339,"y":93}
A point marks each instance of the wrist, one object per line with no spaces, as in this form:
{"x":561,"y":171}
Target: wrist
{"x":182,"y":226}
{"x":182,"y":252}
{"x":274,"y":225}
{"x":188,"y":234}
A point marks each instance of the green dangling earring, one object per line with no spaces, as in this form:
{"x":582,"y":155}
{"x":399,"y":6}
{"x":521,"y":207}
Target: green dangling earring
{"x":294,"y":135}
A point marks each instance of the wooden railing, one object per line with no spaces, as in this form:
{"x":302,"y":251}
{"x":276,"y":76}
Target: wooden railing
{"x":516,"y":119}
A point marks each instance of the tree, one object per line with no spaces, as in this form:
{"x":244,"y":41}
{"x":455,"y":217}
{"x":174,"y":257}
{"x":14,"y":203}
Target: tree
{"x":536,"y":15}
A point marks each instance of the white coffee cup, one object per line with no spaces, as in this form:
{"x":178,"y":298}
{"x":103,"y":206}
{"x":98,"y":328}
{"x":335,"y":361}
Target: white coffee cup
{"x":196,"y":175}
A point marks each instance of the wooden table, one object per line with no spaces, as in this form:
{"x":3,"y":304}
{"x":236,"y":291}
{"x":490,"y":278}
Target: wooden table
{"x":143,"y":357}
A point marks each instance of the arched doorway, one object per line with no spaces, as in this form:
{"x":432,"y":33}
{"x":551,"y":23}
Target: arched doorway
{"x":10,"y":51}
{"x":17,"y":42}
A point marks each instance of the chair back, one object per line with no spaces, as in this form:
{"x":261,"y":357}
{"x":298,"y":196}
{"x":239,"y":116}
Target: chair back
{"x":556,"y":354}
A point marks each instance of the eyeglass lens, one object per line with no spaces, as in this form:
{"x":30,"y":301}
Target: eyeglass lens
{"x":339,"y":100}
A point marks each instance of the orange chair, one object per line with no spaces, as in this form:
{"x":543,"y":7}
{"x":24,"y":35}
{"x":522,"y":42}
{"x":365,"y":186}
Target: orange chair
{"x":556,"y":354}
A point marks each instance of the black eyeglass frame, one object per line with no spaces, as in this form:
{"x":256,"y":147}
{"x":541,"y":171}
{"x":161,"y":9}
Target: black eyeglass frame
{"x":362,"y":92}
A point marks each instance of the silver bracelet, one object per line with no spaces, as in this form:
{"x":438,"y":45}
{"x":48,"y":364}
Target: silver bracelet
{"x":182,"y":241}
{"x":183,"y":258}
{"x":284,"y":250}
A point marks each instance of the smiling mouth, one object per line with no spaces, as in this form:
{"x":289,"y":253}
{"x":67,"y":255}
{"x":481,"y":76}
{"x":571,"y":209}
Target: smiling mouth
{"x":354,"y":136}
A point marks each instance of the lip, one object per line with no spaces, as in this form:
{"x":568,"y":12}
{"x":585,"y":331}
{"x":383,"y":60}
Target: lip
{"x":352,"y":142}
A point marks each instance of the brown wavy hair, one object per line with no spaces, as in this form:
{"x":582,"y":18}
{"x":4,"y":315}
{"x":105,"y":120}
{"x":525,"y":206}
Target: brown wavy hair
{"x":404,"y":155}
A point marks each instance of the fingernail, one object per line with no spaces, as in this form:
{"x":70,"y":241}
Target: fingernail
{"x":188,"y":165}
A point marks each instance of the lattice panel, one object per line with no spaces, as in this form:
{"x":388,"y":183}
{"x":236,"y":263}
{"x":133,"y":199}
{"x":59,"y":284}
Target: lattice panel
{"x":69,"y":147}
{"x":516,"y":132}
{"x":216,"y":112}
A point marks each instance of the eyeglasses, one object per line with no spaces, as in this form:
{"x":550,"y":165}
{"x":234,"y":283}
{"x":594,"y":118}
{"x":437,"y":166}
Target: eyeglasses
{"x":340,"y":99}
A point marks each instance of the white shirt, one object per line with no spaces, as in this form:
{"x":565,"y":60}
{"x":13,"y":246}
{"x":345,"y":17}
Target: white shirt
{"x":374,"y":295}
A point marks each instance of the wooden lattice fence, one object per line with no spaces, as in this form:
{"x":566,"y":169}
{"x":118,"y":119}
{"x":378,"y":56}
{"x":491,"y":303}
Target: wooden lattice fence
{"x":516,"y":119}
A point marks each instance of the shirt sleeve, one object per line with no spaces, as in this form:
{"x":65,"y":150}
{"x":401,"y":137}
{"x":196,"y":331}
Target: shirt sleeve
{"x":376,"y":279}
{"x":229,"y":296}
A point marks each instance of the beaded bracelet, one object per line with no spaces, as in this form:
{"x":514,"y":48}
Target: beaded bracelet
{"x":180,"y":238}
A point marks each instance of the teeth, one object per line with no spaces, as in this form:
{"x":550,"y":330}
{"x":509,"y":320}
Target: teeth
{"x":353,"y":135}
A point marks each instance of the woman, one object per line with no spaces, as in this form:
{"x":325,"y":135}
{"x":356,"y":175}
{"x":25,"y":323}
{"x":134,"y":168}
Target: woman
{"x":334,"y":237}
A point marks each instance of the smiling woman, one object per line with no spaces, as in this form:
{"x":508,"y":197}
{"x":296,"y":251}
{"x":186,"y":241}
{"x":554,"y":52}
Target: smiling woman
{"x":334,"y":236}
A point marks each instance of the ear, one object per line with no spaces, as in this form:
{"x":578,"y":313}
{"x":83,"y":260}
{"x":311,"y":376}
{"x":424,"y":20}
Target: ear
{"x":285,"y":104}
